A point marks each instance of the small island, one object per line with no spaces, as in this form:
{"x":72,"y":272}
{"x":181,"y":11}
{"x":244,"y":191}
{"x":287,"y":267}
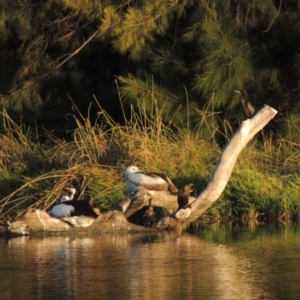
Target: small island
{"x":36,"y":221}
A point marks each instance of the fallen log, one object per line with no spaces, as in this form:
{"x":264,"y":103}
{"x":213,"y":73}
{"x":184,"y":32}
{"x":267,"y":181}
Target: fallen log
{"x":38,"y":221}
{"x":136,"y":201}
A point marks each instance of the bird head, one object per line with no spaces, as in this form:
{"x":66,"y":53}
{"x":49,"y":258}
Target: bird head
{"x":189,"y":187}
{"x":72,"y":190}
{"x":131,"y":169}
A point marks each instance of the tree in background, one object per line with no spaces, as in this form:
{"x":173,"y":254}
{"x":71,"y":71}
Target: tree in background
{"x":182,"y":58}
{"x":50,"y":53}
{"x":201,"y":51}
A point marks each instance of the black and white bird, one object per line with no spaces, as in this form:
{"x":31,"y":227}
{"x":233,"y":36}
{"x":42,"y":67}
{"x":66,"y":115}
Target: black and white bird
{"x":68,"y":197}
{"x":152,"y":181}
{"x":79,"y":213}
{"x":184,"y":195}
{"x":247,"y":108}
{"x":149,"y":216}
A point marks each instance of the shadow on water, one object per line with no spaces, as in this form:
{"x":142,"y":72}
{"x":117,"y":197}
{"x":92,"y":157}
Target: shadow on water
{"x":209,"y":262}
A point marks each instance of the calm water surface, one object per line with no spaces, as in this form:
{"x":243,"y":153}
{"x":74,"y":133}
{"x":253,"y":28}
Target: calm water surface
{"x":209,"y":262}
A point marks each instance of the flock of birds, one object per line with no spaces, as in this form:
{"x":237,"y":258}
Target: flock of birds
{"x":134,"y":180}
{"x":69,"y":207}
{"x":153,"y":181}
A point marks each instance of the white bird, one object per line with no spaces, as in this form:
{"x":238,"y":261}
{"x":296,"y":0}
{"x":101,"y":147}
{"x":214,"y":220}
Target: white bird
{"x":79,"y":213}
{"x":153,"y":181}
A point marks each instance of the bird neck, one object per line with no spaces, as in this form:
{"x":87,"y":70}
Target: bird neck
{"x":72,"y":194}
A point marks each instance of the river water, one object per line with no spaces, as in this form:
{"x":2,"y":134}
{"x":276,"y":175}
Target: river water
{"x":230,"y":261}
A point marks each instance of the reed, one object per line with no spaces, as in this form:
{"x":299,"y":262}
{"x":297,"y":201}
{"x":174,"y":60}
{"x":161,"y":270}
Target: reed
{"x":264,"y":183}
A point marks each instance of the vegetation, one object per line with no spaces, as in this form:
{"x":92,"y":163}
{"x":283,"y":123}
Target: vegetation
{"x":174,"y":65}
{"x":174,"y":51}
{"x":264,"y":183}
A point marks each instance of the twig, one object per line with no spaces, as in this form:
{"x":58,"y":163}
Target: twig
{"x":279,"y":9}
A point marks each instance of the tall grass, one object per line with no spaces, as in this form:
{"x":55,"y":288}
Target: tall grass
{"x":265,"y":180}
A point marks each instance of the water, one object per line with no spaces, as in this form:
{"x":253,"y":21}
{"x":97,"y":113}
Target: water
{"x":212,"y":262}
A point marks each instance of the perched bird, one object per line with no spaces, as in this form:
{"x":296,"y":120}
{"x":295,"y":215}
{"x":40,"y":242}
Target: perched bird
{"x":247,"y":108}
{"x":68,"y":197}
{"x":184,"y":194}
{"x":148,"y":217}
{"x":72,"y":208}
{"x":79,"y":213}
{"x":136,"y":178}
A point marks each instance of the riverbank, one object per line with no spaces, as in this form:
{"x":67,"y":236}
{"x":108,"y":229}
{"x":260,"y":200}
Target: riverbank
{"x":33,"y":174}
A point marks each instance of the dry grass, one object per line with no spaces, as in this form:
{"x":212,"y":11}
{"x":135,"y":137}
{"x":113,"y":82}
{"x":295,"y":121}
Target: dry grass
{"x":265,"y":179}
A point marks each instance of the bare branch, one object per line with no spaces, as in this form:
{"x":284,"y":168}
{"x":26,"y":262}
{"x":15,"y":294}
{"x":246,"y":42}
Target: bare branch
{"x":222,"y":171}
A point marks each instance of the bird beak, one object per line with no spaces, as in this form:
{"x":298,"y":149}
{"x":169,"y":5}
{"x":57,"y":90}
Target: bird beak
{"x":236,"y":91}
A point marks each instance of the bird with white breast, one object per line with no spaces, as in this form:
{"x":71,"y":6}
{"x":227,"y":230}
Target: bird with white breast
{"x":79,"y":213}
{"x":152,"y":181}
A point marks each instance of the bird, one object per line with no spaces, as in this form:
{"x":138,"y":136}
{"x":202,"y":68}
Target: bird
{"x":63,"y":198}
{"x":68,"y":197}
{"x":70,"y":210}
{"x":149,"y":216}
{"x":153,"y":181}
{"x":184,"y":194}
{"x":247,"y":108}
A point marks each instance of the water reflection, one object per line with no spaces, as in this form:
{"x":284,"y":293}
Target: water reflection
{"x":273,"y":247}
{"x":163,"y":266}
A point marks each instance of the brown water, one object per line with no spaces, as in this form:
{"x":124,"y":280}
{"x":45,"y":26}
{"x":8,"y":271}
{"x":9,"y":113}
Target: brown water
{"x":211,"y":262}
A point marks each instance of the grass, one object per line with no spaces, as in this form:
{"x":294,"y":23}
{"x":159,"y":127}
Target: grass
{"x":264,"y":183}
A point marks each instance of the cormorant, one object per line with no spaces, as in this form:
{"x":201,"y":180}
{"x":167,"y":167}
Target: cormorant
{"x":247,"y":108}
{"x":184,"y":194}
{"x":149,"y":216}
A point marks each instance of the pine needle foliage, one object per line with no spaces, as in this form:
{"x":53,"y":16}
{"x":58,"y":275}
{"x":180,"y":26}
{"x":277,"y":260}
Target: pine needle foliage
{"x":151,"y":96}
{"x":38,"y":44}
{"x":232,"y":64}
{"x":192,"y":54}
{"x":214,"y":47}
{"x":134,"y":29}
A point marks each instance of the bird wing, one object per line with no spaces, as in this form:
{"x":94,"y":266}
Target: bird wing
{"x":171,"y":187}
{"x":148,"y":180}
{"x":179,"y":195}
{"x":62,"y":210}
